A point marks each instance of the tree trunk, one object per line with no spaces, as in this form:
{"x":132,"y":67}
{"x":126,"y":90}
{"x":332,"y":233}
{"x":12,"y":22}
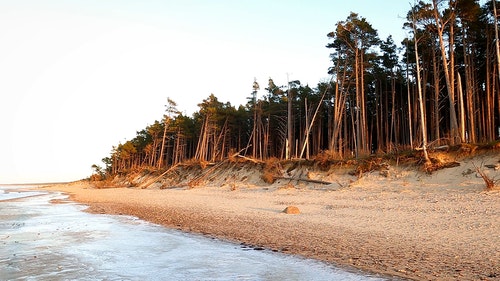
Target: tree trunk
{"x":420,"y":100}
{"x":462,"y":108}
{"x":497,"y":48}
{"x":162,"y":149}
{"x":436,"y":115}
{"x":448,"y":72}
{"x":289,"y":125}
{"x":410,"y":125}
{"x":364,"y":125}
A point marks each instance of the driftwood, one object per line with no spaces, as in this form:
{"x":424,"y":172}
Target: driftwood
{"x":197,"y":180}
{"x":440,"y":148}
{"x":249,"y":159}
{"x":488,"y":181}
{"x":158,"y":177}
{"x":302,"y":179}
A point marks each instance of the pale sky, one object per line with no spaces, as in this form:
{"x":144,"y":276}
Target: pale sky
{"x":78,"y":77}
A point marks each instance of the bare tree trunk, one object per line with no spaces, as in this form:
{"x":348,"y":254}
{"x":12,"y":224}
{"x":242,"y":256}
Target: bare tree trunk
{"x":162,"y":149}
{"x":266,"y":138}
{"x":254,"y":133}
{"x":177,"y":149}
{"x":436,"y":115}
{"x":289,"y":124}
{"x":364,"y":125}
{"x":357,"y":108}
{"x":495,"y":91}
{"x":497,"y":44}
{"x":379,"y":116}
{"x":155,"y":150}
{"x":489,"y":92}
{"x":306,"y":134}
{"x":448,"y":71}
{"x":393,"y":136}
{"x":410,"y":125}
{"x":338,"y":115}
{"x":309,"y":126}
{"x":420,"y":99}
{"x":451,"y":52}
{"x":469,"y":88}
{"x":201,"y":149}
{"x":497,"y":47}
{"x":462,"y":108}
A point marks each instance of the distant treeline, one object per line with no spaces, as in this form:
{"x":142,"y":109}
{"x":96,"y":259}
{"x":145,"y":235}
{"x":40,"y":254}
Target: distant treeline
{"x":441,"y":87}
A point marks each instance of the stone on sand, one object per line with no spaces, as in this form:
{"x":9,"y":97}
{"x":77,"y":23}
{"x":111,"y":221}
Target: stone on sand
{"x":291,"y":210}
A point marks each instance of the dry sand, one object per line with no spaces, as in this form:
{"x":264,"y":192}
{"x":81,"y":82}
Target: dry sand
{"x":411,"y":225}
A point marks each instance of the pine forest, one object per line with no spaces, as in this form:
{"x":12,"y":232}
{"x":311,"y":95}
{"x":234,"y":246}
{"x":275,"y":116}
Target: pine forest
{"x":439,"y":87}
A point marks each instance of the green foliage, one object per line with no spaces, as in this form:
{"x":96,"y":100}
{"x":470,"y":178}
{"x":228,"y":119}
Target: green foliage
{"x":98,"y":173}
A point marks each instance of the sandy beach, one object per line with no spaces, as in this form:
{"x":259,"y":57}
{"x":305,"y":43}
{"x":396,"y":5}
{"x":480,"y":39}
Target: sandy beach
{"x":408,"y":224}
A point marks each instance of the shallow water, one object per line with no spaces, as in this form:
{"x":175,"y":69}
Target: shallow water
{"x":44,"y":241}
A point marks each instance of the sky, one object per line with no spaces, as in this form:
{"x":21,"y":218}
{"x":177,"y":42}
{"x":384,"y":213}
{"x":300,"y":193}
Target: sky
{"x":79,"y":77}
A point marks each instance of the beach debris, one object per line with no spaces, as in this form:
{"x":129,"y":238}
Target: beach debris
{"x":438,"y":164}
{"x":495,"y":167}
{"x":198,"y":180}
{"x":268,"y":177}
{"x":291,"y":210}
{"x":287,"y":186}
{"x":344,"y":184}
{"x":158,"y":177}
{"x":369,"y":165}
{"x":302,"y":179}
{"x":467,"y":172}
{"x":384,"y":173}
{"x":247,"y":247}
{"x":490,"y":183}
{"x":272,"y":170}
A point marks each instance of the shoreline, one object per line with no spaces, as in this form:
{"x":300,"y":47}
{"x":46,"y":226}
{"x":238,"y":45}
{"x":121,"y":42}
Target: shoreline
{"x":383,"y":226}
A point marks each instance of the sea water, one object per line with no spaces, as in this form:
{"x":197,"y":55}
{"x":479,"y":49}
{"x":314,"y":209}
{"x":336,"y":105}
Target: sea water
{"x":40,"y":240}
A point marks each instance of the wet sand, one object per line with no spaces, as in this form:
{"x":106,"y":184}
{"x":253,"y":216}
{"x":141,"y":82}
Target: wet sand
{"x":414,"y":226}
{"x":44,"y":236}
